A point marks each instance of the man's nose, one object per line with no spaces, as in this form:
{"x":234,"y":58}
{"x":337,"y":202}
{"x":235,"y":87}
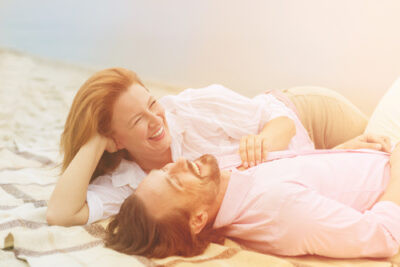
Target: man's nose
{"x":180,"y":163}
{"x":168,"y":165}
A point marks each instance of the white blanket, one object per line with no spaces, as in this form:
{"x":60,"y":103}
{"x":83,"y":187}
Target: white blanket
{"x":35,"y":96}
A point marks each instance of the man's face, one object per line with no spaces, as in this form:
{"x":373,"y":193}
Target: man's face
{"x":183,"y":184}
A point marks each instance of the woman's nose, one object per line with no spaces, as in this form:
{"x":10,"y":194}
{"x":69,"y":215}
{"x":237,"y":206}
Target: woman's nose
{"x":154,"y":119}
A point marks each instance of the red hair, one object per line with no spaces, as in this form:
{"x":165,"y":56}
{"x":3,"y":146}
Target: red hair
{"x":91,"y":112}
{"x":136,"y":232}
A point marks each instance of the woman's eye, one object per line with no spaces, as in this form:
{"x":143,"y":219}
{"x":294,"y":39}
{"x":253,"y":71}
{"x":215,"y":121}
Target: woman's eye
{"x":152,"y":103}
{"x":136,"y":122}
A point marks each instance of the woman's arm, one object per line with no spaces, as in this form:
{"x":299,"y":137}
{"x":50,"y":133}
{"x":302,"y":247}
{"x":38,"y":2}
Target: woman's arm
{"x":67,"y":205}
{"x":275,"y":135}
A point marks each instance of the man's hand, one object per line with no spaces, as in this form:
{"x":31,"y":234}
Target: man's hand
{"x":253,"y":150}
{"x":367,"y":141}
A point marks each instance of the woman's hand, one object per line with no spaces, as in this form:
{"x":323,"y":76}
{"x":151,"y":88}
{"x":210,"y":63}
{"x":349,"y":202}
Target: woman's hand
{"x":253,"y":150}
{"x":367,"y":141}
{"x":106,"y":143}
{"x":275,"y":135}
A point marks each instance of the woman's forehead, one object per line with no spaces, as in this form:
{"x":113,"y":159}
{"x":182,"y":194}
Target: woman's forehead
{"x":130,"y":104}
{"x":135,"y":98}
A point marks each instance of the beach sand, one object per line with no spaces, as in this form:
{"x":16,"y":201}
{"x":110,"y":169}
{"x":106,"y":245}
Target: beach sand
{"x":35,"y":96}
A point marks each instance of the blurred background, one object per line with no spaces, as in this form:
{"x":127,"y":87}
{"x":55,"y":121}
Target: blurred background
{"x":352,"y":46}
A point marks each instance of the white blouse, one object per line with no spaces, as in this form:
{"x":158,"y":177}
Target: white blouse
{"x":209,"y":120}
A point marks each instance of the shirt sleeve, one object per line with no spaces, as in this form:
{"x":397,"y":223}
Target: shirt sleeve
{"x":272,"y":108}
{"x":323,"y":226}
{"x":104,"y":200}
{"x":216,"y":108}
{"x":218,"y":116}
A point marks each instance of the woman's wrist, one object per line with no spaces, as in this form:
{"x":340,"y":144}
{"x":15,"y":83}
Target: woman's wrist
{"x":93,"y":149}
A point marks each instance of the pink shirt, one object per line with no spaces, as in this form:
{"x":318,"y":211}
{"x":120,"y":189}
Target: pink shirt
{"x":318,"y":202}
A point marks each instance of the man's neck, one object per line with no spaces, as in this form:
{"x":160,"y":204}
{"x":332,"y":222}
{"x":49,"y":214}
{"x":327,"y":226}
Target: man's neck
{"x":224,"y":181}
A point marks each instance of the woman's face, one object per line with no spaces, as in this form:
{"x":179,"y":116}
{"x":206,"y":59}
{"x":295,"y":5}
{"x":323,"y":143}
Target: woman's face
{"x":139,"y":124}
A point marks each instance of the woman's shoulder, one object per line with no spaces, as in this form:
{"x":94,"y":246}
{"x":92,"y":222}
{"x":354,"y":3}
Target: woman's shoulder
{"x":203,"y":92}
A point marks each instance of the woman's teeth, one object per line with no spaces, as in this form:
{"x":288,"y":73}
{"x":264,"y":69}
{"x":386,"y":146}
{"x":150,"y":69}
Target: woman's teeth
{"x":158,"y":133}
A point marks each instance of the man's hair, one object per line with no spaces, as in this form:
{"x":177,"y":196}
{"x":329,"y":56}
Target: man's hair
{"x":136,"y":232}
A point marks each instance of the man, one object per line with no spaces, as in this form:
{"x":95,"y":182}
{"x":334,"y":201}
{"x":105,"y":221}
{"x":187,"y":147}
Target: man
{"x":336,"y":203}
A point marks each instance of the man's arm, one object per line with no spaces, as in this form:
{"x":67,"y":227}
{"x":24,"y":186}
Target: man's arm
{"x":367,"y":141}
{"x":315,"y":224}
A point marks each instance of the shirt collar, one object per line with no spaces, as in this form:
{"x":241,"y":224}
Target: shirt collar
{"x":239,"y":185}
{"x":176,"y":130}
{"x":127,"y":173}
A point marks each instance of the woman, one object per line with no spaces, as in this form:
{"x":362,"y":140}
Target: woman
{"x":116,"y":132}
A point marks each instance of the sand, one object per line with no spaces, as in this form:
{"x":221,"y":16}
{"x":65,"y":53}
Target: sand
{"x":35,"y":96}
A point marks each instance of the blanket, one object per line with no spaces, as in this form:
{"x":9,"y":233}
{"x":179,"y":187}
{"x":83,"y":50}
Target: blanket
{"x":35,"y":95}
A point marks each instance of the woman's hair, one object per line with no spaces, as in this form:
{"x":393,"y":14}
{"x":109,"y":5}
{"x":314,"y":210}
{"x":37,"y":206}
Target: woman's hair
{"x":91,"y":112}
{"x":136,"y":232}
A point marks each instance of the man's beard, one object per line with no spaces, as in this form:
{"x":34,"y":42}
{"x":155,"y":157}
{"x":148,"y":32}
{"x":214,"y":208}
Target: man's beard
{"x":214,"y":175}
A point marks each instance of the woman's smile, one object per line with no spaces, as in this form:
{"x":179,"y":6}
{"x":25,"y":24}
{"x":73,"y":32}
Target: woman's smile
{"x":158,"y":135}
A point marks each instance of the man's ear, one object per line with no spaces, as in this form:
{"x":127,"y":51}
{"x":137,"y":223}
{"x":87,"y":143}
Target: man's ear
{"x":198,"y":221}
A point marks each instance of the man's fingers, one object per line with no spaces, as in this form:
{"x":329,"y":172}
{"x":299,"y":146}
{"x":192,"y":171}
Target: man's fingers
{"x":397,"y":146}
{"x":243,"y":151}
{"x":369,"y":145}
{"x":387,"y":144}
{"x":384,"y":141}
